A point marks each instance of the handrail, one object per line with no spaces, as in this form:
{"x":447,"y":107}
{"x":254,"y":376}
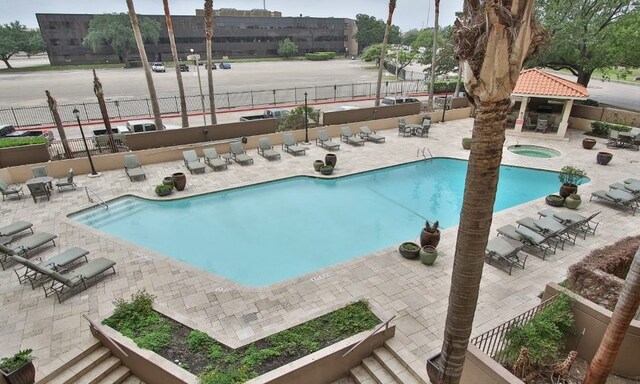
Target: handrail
{"x":100,"y":201}
{"x":423,"y":153}
{"x":379,"y":327}
{"x":96,"y":328}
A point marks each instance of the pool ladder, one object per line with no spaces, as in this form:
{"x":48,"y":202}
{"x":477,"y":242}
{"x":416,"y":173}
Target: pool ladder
{"x":424,"y":152}
{"x":100,"y":201}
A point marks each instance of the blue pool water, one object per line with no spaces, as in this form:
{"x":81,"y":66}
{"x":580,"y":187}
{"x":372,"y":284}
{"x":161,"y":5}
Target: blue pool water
{"x":271,"y":232}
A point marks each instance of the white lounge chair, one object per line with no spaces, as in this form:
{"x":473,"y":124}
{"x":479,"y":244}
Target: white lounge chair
{"x":618,"y":197}
{"x":289,"y":144}
{"x":504,"y":251}
{"x":324,"y":141}
{"x":265,"y":149}
{"x":214,"y":160}
{"x":192,"y":162}
{"x":349,"y":137}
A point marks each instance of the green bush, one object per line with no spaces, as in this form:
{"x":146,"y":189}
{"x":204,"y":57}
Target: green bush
{"x":230,"y":376}
{"x":444,"y":86}
{"x":319,"y":56}
{"x":18,"y":142}
{"x":199,"y":341}
{"x":601,"y":129}
{"x":134,"y":64}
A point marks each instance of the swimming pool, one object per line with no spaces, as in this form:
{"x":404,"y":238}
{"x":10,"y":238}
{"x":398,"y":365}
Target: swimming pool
{"x":267,"y":233}
{"x":533,"y":151}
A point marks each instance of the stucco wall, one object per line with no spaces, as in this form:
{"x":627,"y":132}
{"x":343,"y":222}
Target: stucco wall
{"x":481,"y":369}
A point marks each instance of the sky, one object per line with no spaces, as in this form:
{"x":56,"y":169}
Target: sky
{"x":409,"y":14}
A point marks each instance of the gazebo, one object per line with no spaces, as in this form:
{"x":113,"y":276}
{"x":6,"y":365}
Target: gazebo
{"x":545,"y":101}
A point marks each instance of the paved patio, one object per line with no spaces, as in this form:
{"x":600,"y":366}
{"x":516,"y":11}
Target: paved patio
{"x":417,"y":294}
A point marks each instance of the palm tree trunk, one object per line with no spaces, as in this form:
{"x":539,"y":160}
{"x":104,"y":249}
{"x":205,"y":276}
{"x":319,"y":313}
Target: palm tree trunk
{"x":433,"y":55}
{"x":176,"y":62}
{"x":53,"y":106}
{"x":97,"y":90}
{"x":145,"y":63}
{"x":392,"y":7}
{"x":208,"y":32}
{"x":623,"y":313}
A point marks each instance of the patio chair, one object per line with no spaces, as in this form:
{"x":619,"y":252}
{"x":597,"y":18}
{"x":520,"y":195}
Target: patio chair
{"x":289,"y":145}
{"x":424,"y":129}
{"x":265,"y":149}
{"x":529,"y":238}
{"x":367,"y":134}
{"x":78,"y":277}
{"x":542,"y":125}
{"x":239,"y":154}
{"x":24,"y":246}
{"x":584,"y":224}
{"x":618,"y":197}
{"x":66,"y":182}
{"x":504,"y":251}
{"x":630,"y":187}
{"x":528,"y":124}
{"x":403,"y":129}
{"x":214,"y":160}
{"x":133,"y":168}
{"x":614,"y":139}
{"x":15,"y":228}
{"x":40,"y":171}
{"x":554,"y":234}
{"x":39,"y":190}
{"x":10,"y":190}
{"x":324,"y":141}
{"x":36,"y":273}
{"x":192,"y":161}
{"x":349,"y":137}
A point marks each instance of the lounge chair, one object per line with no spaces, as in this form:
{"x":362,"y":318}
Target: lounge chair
{"x":10,"y":190}
{"x":36,"y":273}
{"x":367,"y":134}
{"x":632,"y":181}
{"x":403,"y":129}
{"x":78,"y":277}
{"x":584,"y":224}
{"x":192,"y":161}
{"x":133,"y":168}
{"x":289,"y":144}
{"x":324,"y":141}
{"x":15,"y":228}
{"x":349,"y":137}
{"x":24,"y":246}
{"x":529,"y":238}
{"x":505,"y":252}
{"x":40,"y":171}
{"x":618,"y":197}
{"x":39,"y":190}
{"x":239,"y":154}
{"x":551,"y":228}
{"x":630,"y":187}
{"x":424,"y":129}
{"x":265,"y":149}
{"x":66,"y":182}
{"x":212,"y":158}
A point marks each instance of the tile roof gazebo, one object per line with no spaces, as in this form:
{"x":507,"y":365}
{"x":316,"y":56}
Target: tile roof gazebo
{"x":534,"y":83}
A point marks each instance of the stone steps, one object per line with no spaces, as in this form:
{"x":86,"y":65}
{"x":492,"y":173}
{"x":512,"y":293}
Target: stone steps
{"x":389,"y":364}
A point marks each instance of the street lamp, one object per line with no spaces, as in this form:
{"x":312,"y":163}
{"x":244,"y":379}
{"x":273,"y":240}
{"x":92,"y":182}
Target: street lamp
{"x":76,"y":113}
{"x":306,"y":121}
{"x":195,"y":58}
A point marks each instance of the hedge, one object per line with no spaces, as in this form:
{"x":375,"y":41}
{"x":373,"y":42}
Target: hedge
{"x":319,"y":56}
{"x":19,"y":142}
{"x":602,"y":129}
{"x":444,"y":86}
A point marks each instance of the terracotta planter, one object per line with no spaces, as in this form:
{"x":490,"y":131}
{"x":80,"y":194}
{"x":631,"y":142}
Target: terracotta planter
{"x":567,"y":189}
{"x":317,"y":165}
{"x":555,"y":200}
{"x":466,"y":143}
{"x":179,"y":180}
{"x":409,"y":250}
{"x":573,"y":201}
{"x":23,"y":375}
{"x":331,"y":159}
{"x":603,"y":158}
{"x":326,"y":169}
{"x":429,"y":238}
{"x":428,"y":255}
{"x":588,"y":143}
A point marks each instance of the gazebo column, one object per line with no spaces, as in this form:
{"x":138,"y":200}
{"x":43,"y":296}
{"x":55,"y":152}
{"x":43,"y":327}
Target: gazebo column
{"x":564,"y":123}
{"x":521,"y":114}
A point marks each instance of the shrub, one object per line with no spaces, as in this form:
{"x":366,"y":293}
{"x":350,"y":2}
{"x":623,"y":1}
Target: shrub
{"x":588,"y":102}
{"x":295,"y":119}
{"x":163,"y":188}
{"x":319,"y":56}
{"x":444,"y":86}
{"x":10,"y":364}
{"x":287,"y":48}
{"x":199,"y":341}
{"x":601,"y":129}
{"x":572,"y":175}
{"x":18,"y":142}
{"x":230,"y":376}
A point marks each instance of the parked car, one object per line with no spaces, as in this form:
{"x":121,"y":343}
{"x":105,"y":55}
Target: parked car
{"x":399,"y":100}
{"x":277,"y":114}
{"x":213,"y":66}
{"x":184,"y":68}
{"x":158,"y":67}
{"x":10,"y":132}
{"x":225,"y":66}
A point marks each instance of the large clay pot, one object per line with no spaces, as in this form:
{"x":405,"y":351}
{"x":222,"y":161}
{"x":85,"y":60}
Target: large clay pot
{"x":604,"y":158}
{"x":567,"y":189}
{"x":409,"y":250}
{"x":168,"y":181}
{"x":331,"y":159}
{"x":572,"y":201}
{"x":555,"y":200}
{"x":428,"y":254}
{"x":23,"y":375}
{"x":429,"y":238}
{"x":179,"y":180}
{"x":317,"y":165}
{"x":588,"y":143}
{"x":326,"y":170}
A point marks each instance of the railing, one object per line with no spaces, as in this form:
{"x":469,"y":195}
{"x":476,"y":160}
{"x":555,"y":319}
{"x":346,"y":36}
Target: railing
{"x":96,"y":328}
{"x":97,"y":146}
{"x":379,"y":327}
{"x":493,"y":342}
{"x":100,"y":201}
{"x":424,"y":151}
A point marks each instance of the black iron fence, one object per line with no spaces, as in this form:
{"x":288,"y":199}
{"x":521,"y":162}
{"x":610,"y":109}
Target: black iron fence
{"x":76,"y":147}
{"x":136,"y":108}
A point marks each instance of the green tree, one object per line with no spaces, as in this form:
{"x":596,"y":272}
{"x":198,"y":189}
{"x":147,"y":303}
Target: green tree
{"x":115,"y":30}
{"x":372,"y":30}
{"x":15,"y":37}
{"x":372,"y":53}
{"x":410,"y":36}
{"x":287,"y":48}
{"x":401,"y":59}
{"x":589,"y":35}
{"x":295,"y":119}
{"x":385,"y":39}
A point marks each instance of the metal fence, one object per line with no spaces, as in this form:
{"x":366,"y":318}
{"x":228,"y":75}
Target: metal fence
{"x":121,"y":109}
{"x":77,"y":147}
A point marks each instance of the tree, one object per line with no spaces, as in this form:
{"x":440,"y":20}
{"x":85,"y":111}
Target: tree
{"x":53,"y":107}
{"x":208,"y":34}
{"x":372,"y":31}
{"x":287,"y":48}
{"x":15,"y":37}
{"x":115,"y":30}
{"x":623,"y":313}
{"x":432,"y":80}
{"x":500,"y":36}
{"x":589,"y":35}
{"x":176,"y":62}
{"x":97,"y":90}
{"x":392,"y":7}
{"x":145,"y":64}
{"x":410,"y":36}
{"x":402,"y":59}
{"x":295,"y":118}
{"x":372,"y":53}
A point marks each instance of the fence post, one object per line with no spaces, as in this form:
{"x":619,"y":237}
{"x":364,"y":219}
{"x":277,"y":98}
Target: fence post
{"x":252,"y":106}
{"x":117,"y":103}
{"x":353,"y":93}
{"x":15,"y":118}
{"x":86,"y":114}
{"x":335,"y":92}
{"x":148,"y":108}
{"x":274,"y":97}
{"x":315,"y":92}
{"x":175,"y":99}
{"x":295,"y":95}
{"x":228,"y":101}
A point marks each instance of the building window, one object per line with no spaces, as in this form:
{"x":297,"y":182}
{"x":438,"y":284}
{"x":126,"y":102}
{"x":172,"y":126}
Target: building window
{"x":54,"y":41}
{"x":74,"y":42}
{"x":52,"y":25}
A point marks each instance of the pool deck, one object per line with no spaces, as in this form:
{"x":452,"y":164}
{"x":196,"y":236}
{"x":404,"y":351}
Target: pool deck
{"x":416,"y":294}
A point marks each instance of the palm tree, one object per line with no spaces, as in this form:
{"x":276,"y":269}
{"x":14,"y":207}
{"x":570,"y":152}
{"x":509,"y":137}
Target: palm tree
{"x":208,"y":33}
{"x":145,"y":63}
{"x":433,"y":55}
{"x":53,"y":106}
{"x":174,"y":56}
{"x":97,"y":90}
{"x":500,"y":36}
{"x":623,"y":313}
{"x":392,"y":7}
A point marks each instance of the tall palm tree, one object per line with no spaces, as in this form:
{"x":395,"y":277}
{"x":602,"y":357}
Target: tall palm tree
{"x":145,"y":63}
{"x":500,"y":36}
{"x":433,"y":54}
{"x":97,"y":90}
{"x":392,"y":7}
{"x":623,"y":313}
{"x":176,"y":62}
{"x":53,"y":107}
{"x":208,"y":33}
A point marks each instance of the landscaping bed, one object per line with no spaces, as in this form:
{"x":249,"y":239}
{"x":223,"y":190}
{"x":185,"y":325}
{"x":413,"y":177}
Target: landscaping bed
{"x":198,"y":353}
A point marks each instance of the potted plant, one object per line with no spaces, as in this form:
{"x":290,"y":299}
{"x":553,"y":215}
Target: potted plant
{"x":428,"y":254}
{"x":466,"y":143}
{"x":572,"y":201}
{"x":317,"y":165}
{"x":588,"y":143}
{"x":331,"y":159}
{"x":168,"y":181}
{"x":179,"y":180}
{"x":19,"y":369}
{"x":430,"y":234}
{"x":409,"y":250}
{"x":163,"y":189}
{"x":571,"y":178}
{"x":326,"y":169}
{"x":603,"y":158}
{"x":555,"y":200}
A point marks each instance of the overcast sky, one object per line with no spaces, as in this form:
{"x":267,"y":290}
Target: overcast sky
{"x":409,"y":13}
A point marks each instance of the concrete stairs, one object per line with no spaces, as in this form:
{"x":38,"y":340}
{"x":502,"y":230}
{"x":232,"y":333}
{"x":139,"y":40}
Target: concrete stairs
{"x":94,"y":365}
{"x":389,"y":364}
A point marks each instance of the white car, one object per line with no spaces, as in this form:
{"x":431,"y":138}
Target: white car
{"x":158,"y":67}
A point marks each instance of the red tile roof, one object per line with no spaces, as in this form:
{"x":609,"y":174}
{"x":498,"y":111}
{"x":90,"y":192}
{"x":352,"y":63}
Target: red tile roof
{"x":534,"y":82}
